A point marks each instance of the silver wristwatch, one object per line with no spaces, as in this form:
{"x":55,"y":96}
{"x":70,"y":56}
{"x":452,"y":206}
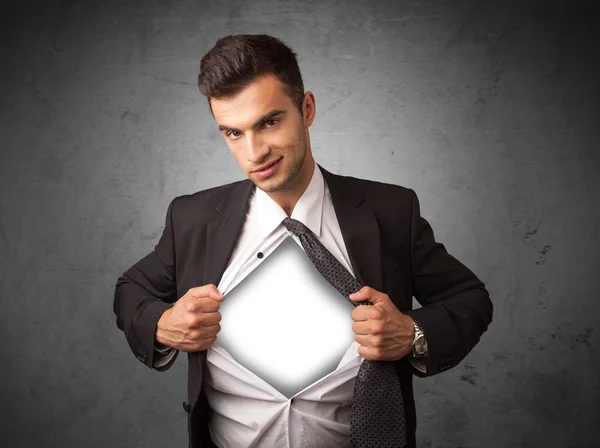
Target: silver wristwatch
{"x":419,"y":344}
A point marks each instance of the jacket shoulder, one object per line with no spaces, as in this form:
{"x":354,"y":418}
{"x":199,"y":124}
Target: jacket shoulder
{"x":209,"y":197}
{"x":202,"y":204}
{"x":378,"y":192}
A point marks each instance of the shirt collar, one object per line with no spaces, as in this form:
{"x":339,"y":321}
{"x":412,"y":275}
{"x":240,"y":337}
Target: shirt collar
{"x":268,"y":215}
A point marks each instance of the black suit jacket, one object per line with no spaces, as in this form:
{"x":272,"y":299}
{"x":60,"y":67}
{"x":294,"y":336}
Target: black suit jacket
{"x":391,"y":248}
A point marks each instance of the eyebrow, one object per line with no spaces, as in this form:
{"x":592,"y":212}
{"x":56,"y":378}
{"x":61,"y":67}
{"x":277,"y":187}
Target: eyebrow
{"x":257,"y":123}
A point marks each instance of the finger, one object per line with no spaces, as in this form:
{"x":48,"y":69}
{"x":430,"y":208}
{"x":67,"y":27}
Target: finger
{"x":211,"y":330}
{"x":361,"y":339}
{"x":209,"y":290}
{"x":370,"y":340}
{"x":360,"y":328}
{"x":370,"y":353}
{"x":202,"y":305}
{"x":368,"y":327}
{"x":360,"y":313}
{"x":209,"y":319}
{"x":364,"y":351}
{"x":203,"y":344}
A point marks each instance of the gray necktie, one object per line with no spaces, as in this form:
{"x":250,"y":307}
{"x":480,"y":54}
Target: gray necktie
{"x":377,"y":411}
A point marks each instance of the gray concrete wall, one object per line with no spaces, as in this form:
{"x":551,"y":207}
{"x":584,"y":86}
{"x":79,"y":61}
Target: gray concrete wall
{"x":487,"y":109}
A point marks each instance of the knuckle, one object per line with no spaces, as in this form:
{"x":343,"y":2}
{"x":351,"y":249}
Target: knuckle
{"x":191,"y":319}
{"x":200,"y":319}
{"x":194,"y":335}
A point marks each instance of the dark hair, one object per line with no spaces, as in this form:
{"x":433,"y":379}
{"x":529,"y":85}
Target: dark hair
{"x":237,"y":60}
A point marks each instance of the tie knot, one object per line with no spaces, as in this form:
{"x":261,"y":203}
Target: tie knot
{"x":295,"y":226}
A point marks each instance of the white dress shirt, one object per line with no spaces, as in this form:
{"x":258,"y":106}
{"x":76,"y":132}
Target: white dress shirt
{"x":245,"y":410}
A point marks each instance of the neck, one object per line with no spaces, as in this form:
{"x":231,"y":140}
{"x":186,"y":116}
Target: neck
{"x":287,"y":200}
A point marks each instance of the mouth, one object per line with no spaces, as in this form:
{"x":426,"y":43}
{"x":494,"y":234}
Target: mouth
{"x":266,"y":167}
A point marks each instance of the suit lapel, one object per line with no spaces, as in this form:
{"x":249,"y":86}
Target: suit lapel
{"x":358,"y":226}
{"x":222,"y":234}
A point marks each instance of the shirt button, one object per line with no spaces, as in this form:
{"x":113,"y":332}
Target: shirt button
{"x":259,"y":255}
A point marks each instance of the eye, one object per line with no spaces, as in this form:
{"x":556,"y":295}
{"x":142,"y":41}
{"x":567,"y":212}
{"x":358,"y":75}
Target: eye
{"x":231,"y":135}
{"x":271,"y":121}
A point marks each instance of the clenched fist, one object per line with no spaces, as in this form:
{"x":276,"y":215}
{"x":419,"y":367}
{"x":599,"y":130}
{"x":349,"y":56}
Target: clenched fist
{"x":192,"y":323}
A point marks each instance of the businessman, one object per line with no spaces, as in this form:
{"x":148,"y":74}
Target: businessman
{"x":169,"y":301}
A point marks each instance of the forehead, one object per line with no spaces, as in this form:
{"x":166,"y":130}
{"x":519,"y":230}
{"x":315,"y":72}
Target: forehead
{"x":260,"y":97}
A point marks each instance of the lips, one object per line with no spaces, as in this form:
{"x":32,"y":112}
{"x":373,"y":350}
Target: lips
{"x":267,"y":166}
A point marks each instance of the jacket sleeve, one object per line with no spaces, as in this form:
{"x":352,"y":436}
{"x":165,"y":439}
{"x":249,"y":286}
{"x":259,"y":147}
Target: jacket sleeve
{"x":455,"y":306}
{"x":143,"y":293}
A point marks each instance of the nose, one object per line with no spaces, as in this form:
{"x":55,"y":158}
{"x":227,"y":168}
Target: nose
{"x":257,"y":150}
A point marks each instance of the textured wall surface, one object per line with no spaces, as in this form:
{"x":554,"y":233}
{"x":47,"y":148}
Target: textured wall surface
{"x":488,"y":109}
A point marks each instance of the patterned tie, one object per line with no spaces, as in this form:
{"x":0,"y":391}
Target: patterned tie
{"x":377,"y":411}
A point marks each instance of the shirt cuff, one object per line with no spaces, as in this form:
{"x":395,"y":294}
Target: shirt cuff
{"x":163,"y":356}
{"x":418,"y":363}
{"x":161,"y":348}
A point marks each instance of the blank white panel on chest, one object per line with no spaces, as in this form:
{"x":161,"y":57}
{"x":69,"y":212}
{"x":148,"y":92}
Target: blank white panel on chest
{"x":285,"y":322}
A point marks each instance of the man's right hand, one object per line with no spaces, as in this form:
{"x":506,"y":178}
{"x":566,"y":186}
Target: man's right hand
{"x":192,"y":323}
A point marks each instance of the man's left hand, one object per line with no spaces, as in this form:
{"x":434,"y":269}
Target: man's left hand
{"x":383,"y":332}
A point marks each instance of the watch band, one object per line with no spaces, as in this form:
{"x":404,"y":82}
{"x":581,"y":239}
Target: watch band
{"x":419,"y":333}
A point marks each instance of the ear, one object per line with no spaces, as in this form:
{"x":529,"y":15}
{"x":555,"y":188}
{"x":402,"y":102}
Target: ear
{"x":309,"y":108}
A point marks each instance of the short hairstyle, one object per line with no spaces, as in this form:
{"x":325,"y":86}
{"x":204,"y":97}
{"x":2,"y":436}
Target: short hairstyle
{"x":237,"y":60}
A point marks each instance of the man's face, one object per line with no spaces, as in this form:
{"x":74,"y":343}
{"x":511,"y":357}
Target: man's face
{"x":261,"y":125}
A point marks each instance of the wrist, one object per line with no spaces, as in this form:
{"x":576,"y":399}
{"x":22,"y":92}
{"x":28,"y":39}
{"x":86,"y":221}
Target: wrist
{"x":159,"y":340}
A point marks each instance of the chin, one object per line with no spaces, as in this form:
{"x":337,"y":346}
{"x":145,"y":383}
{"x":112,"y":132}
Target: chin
{"x":272,"y":185}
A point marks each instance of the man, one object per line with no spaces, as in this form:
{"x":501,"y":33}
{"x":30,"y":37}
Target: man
{"x":168,"y":301}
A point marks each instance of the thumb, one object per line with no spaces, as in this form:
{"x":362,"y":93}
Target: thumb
{"x":369,"y":294}
{"x":361,"y":295}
